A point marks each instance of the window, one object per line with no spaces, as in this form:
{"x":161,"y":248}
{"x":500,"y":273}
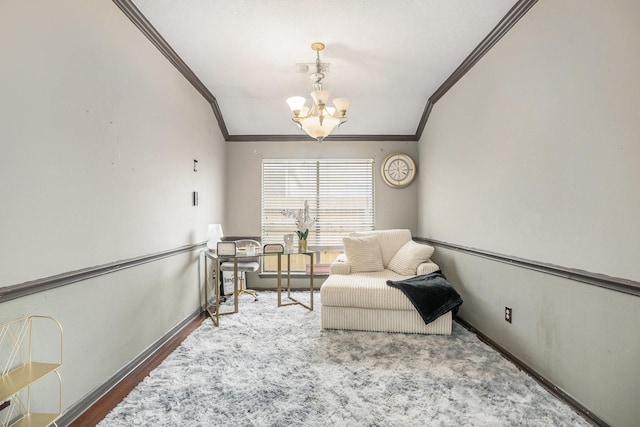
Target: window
{"x":339,"y":192}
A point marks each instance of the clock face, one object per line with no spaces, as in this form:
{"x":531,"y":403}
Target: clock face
{"x":398,"y":170}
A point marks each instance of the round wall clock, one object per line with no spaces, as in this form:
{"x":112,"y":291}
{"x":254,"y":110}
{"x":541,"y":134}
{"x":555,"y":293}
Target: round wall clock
{"x":398,"y":170}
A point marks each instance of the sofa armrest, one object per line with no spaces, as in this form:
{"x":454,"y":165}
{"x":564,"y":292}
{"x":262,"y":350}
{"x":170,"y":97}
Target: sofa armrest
{"x":427,"y":267}
{"x":341,"y":265}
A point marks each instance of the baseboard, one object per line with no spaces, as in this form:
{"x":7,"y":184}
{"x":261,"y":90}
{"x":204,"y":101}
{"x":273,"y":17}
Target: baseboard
{"x":80,"y":407}
{"x":546,"y":383}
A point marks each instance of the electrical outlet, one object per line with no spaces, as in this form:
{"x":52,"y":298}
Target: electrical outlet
{"x":508,"y":314}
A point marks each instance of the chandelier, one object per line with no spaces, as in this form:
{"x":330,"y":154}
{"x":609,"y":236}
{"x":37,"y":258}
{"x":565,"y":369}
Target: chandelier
{"x":319,"y":120}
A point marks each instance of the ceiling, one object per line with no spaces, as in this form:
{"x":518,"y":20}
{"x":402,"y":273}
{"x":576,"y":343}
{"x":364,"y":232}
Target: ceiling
{"x":388,"y":56}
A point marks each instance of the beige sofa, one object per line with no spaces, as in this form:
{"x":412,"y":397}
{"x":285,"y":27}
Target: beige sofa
{"x":356,"y":296}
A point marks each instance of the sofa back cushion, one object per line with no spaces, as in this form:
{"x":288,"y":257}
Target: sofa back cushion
{"x":364,"y":254}
{"x":409,"y":257}
{"x":390,"y":241}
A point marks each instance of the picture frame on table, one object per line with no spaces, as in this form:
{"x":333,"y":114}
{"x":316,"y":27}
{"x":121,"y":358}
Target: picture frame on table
{"x":226,"y":249}
{"x":273,"y":248}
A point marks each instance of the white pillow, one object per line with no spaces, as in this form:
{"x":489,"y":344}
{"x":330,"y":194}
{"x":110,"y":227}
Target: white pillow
{"x":409,"y":257}
{"x":363,"y":253}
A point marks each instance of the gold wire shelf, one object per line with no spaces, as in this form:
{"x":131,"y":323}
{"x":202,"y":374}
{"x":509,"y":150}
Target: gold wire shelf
{"x":26,"y":383}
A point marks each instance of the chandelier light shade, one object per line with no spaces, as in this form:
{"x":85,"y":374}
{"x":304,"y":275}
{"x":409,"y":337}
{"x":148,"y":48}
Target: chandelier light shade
{"x":319,"y":120}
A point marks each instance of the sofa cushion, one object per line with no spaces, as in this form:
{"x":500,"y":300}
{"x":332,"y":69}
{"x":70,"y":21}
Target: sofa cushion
{"x":390,"y":241}
{"x":427,"y":267}
{"x":363,"y":253}
{"x":364,"y":290}
{"x":340,"y":265}
{"x":407,"y":259}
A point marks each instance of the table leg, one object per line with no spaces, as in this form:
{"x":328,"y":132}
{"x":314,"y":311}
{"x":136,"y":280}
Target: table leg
{"x":235,"y":285}
{"x":289,"y":276}
{"x":293,"y":300}
{"x":207,"y":283}
{"x":311,"y":283}
{"x":279,"y":280}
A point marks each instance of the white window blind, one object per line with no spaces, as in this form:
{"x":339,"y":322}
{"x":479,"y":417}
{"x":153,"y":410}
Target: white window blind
{"x":340,"y":194}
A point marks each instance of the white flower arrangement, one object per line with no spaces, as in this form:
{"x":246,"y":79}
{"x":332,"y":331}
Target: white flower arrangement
{"x":303,"y":220}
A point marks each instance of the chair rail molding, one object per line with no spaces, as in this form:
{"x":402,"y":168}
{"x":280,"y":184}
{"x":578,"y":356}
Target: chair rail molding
{"x":596,"y":279}
{"x":8,"y":293}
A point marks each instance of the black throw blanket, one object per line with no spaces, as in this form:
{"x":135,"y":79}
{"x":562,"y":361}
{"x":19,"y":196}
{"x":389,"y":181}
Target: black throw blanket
{"x":430,"y":294}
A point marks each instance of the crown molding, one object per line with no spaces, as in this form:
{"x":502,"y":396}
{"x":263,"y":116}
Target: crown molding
{"x":505,"y":24}
{"x":330,"y":138}
{"x":143,"y":24}
{"x":423,"y":119}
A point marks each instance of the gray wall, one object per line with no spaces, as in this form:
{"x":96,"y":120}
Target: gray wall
{"x":395,"y":208}
{"x":534,"y":154}
{"x":98,"y":133}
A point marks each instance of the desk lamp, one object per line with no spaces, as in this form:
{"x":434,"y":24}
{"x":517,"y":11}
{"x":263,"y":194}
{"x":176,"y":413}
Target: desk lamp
{"x":214,"y":233}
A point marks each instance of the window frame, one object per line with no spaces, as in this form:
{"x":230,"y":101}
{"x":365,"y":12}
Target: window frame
{"x":329,"y":186}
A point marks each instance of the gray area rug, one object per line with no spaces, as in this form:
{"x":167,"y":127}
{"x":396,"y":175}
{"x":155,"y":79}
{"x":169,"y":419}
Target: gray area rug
{"x":270,"y":366}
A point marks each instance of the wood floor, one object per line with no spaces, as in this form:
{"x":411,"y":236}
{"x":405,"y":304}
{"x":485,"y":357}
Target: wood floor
{"x":102,"y":407}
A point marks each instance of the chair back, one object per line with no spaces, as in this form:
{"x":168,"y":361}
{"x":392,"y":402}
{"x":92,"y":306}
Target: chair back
{"x":243,"y":244}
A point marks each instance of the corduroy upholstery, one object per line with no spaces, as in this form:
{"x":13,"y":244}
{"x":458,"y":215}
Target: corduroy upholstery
{"x":363,"y":301}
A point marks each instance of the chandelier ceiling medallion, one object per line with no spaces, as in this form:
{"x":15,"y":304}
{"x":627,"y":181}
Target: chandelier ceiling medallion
{"x":319,"y":120}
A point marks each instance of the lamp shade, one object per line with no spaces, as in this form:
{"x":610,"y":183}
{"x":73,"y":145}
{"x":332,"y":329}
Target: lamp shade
{"x":296,"y":103}
{"x":320,"y":96}
{"x":342,"y":104}
{"x":214,"y":233}
{"x":312,"y":126}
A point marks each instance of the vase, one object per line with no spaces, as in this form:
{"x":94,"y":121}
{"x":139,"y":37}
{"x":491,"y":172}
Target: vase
{"x":302,"y":245}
